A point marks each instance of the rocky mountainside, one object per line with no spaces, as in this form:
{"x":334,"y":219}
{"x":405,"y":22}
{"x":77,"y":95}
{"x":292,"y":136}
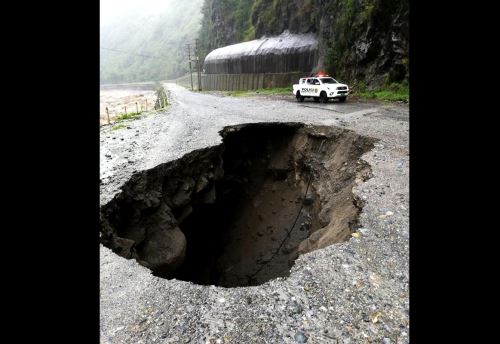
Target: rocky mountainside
{"x":360,"y":41}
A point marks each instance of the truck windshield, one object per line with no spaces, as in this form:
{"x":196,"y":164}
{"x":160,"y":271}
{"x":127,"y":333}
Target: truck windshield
{"x":329,"y":81}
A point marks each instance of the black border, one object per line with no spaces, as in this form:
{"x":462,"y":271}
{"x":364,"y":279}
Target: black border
{"x":54,"y":220}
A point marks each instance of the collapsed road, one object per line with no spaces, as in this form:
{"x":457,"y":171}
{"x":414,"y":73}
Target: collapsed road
{"x":311,"y":203}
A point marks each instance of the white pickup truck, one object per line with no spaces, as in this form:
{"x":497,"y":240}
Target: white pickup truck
{"x":320,"y":88}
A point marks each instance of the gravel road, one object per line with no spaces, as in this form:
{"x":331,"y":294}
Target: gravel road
{"x":353,"y":292}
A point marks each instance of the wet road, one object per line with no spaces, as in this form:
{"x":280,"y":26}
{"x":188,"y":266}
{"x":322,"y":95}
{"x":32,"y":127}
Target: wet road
{"x":193,"y":121}
{"x":353,"y":292}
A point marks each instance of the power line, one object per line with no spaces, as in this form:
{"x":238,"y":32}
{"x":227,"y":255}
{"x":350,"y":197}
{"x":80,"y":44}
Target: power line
{"x":189,"y":59}
{"x":127,"y":52}
{"x":197,"y":52}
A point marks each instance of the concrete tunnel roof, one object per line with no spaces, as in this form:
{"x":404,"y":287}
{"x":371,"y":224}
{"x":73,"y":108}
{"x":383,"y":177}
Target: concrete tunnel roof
{"x":286,"y":43}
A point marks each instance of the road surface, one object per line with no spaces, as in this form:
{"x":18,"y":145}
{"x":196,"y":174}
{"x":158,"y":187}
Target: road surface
{"x":353,"y":292}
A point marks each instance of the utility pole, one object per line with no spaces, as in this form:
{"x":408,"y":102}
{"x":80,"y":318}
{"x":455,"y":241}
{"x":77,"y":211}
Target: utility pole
{"x":189,"y":58}
{"x":198,"y":64}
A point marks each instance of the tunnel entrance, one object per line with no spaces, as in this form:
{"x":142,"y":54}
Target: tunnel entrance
{"x":240,"y":213}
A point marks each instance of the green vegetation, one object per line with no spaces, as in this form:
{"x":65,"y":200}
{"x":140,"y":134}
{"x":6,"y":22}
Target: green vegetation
{"x":118,"y":126}
{"x":358,"y":36}
{"x":244,"y":20}
{"x":249,"y":34}
{"x":245,"y":31}
{"x":261,"y":91}
{"x":354,"y":17}
{"x":265,"y":15}
{"x":363,"y":40}
{"x":364,"y":24}
{"x":393,"y":92}
{"x":150,"y":46}
{"x":127,"y":116}
{"x":237,"y":23}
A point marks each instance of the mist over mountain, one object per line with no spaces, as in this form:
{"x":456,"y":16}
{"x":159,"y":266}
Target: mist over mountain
{"x":147,"y":39}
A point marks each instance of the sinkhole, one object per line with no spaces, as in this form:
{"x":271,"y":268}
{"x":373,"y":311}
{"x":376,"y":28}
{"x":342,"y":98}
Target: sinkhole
{"x":241,"y":212}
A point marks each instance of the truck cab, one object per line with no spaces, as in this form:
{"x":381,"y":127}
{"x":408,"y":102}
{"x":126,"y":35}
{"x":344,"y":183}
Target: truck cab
{"x":320,"y":88}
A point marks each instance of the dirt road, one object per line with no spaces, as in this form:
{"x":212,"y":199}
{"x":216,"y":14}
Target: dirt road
{"x":345,"y":293}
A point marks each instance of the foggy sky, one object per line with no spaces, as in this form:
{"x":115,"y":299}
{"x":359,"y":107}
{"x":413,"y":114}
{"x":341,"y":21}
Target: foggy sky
{"x":114,"y":9}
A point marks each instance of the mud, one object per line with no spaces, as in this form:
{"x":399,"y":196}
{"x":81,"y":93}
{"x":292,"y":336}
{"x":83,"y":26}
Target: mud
{"x":240,"y":213}
{"x":116,"y":98}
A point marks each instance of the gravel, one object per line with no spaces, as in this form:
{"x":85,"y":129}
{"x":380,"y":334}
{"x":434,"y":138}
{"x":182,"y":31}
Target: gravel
{"x":352,"y":292}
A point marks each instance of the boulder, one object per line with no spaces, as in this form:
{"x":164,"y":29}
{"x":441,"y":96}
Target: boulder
{"x":164,"y":250}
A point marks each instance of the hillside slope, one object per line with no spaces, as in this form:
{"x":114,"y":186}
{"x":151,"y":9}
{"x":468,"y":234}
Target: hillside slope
{"x":161,"y":35}
{"x":365,"y":41}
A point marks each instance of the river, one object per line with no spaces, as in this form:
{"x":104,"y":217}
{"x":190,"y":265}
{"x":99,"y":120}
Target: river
{"x":118,"y":96}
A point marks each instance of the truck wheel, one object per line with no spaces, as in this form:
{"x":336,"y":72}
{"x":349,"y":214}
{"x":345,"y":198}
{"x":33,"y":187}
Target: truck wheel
{"x":299,"y":97}
{"x":342,"y":99}
{"x":323,"y":97}
{"x":316,"y":99}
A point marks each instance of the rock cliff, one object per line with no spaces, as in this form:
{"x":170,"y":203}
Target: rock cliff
{"x":364,"y":41}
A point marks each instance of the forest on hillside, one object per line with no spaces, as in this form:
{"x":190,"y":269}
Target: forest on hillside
{"x":149,"y":47}
{"x":364,"y":41}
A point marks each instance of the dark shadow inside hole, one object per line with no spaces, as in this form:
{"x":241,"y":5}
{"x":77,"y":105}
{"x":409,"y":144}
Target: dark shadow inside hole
{"x":235,"y":241}
{"x":238,"y":214}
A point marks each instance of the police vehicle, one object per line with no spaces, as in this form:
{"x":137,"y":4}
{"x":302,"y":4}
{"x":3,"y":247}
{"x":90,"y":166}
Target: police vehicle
{"x":320,"y":88}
